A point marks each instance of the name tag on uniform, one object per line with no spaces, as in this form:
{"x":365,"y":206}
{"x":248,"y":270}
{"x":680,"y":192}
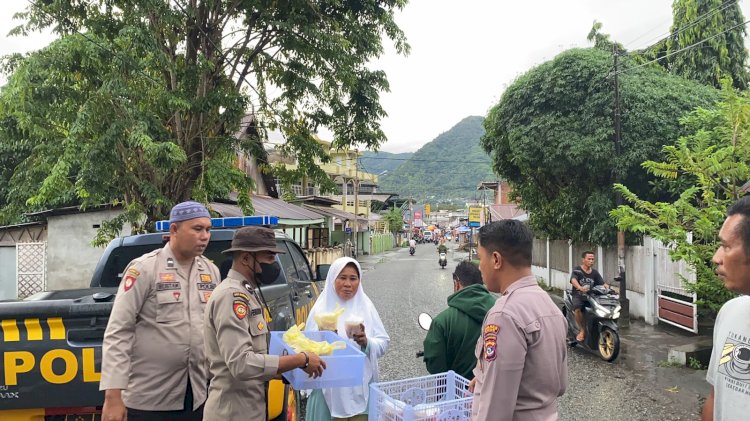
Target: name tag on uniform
{"x":205,"y":287}
{"x":255,"y":312}
{"x":167,"y":286}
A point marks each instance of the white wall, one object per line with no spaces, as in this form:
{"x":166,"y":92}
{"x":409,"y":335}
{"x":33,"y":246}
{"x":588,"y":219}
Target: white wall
{"x":8,"y":288}
{"x":71,"y":258}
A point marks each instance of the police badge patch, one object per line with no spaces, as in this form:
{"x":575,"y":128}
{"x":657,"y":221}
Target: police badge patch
{"x":240,"y":309}
{"x":489,"y":335}
{"x":128,"y":282}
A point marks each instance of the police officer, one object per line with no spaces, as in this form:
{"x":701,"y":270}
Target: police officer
{"x":153,"y":360}
{"x":236,"y":333}
{"x":521,"y":351}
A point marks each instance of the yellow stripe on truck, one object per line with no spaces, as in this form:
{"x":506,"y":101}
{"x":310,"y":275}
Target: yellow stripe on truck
{"x":34,"y":329}
{"x":56,"y":328}
{"x":10,"y":331}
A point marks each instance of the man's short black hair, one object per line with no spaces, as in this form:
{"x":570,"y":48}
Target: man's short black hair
{"x":467,"y":273}
{"x":586,"y":253}
{"x":511,"y":238}
{"x":742,"y":207}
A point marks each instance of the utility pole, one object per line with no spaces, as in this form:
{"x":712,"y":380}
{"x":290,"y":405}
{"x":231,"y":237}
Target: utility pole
{"x":624,"y":302}
{"x":356,"y":200}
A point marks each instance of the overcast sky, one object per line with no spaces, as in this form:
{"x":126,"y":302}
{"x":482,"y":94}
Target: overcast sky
{"x":464,"y":53}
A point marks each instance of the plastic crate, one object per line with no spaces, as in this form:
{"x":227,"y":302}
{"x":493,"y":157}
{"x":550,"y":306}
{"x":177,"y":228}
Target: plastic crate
{"x":344,"y":368}
{"x":439,"y":397}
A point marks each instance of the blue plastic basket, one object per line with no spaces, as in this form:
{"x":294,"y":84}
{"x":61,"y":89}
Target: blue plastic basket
{"x":439,"y":397}
{"x":344,"y":368}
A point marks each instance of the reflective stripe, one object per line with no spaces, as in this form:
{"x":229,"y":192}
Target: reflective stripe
{"x":56,"y":328}
{"x":10,"y":331}
{"x":33,"y":329}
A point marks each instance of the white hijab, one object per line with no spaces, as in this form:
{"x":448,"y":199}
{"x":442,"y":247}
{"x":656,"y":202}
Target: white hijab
{"x":344,"y":402}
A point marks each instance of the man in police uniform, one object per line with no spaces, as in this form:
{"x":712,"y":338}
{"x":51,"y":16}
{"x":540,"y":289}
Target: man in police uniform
{"x":236,"y":333}
{"x":521,"y":351}
{"x":153,"y":360}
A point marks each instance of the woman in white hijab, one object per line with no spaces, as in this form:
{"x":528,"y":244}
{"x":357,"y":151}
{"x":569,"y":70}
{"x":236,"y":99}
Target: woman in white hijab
{"x":343,"y":288}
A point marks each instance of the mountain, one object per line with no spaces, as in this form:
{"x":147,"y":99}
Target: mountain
{"x":447,"y":169}
{"x":377,"y":162}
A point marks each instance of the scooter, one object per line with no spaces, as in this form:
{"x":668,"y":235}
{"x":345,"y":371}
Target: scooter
{"x":411,"y":251}
{"x":600,"y":321}
{"x":443,"y":260}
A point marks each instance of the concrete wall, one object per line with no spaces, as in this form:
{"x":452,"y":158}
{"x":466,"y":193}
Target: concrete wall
{"x":8,"y":286}
{"x":70,"y":256}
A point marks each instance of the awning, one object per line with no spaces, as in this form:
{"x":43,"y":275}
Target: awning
{"x":288,"y":214}
{"x":335,"y":213}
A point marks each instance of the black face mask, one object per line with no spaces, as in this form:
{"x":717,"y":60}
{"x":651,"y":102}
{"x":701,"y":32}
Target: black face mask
{"x":270,"y":271}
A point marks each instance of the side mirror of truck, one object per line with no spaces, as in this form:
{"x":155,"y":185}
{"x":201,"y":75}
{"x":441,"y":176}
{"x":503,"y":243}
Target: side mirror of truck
{"x":321,"y":272}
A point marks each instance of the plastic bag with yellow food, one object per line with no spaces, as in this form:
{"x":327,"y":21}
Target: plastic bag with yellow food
{"x":299,"y":342}
{"x":329,"y":321}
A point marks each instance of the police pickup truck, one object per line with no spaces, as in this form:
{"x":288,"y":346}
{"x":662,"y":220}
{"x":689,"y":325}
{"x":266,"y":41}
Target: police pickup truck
{"x":51,"y":343}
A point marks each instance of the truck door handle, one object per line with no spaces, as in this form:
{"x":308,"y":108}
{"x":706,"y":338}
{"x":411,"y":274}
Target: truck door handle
{"x":295,"y":297}
{"x":85,"y":337}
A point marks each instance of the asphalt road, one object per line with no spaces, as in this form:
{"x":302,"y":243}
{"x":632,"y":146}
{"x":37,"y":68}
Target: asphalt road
{"x":402,"y":286}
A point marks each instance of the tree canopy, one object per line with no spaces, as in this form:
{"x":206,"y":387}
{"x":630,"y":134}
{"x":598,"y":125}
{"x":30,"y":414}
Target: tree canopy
{"x":551,"y":137}
{"x":723,"y":54}
{"x":707,"y":167}
{"x":139,"y":102}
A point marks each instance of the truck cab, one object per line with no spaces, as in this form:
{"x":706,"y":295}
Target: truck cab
{"x":51,"y":342}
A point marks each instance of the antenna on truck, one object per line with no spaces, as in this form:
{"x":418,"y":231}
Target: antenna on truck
{"x":230,"y":222}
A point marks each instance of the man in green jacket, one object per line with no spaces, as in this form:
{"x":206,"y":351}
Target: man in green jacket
{"x":453,"y":334}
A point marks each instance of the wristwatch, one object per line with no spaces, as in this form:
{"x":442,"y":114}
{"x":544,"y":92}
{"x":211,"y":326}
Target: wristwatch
{"x":307,"y":359}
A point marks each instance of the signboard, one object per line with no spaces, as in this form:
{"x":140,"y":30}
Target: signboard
{"x":427,"y":209}
{"x":348,"y":230}
{"x":475,"y":216}
{"x":417,"y":215}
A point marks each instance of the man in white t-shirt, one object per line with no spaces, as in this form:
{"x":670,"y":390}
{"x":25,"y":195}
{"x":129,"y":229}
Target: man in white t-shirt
{"x":728,"y":371}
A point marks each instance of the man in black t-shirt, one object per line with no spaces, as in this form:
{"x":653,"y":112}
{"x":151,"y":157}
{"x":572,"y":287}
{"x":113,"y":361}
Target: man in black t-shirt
{"x":583,"y":278}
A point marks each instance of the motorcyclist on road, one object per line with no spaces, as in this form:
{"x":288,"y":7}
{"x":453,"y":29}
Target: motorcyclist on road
{"x":442,"y":247}
{"x":453,"y":334}
{"x":583,"y":278}
{"x":412,"y":244}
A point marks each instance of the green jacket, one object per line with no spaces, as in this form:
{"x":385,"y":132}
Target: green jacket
{"x":453,"y":335}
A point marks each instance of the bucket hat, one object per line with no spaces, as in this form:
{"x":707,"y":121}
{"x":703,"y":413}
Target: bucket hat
{"x":254,"y":239}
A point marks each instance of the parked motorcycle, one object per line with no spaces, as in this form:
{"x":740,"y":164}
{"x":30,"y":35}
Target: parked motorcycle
{"x":443,"y":260}
{"x":425,"y":321}
{"x":600,"y":321}
{"x":412,"y":250}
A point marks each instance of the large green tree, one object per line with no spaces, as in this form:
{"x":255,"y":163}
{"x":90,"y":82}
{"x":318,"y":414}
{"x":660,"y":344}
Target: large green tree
{"x":551,"y":136}
{"x":708,"y":167}
{"x":139,"y":101}
{"x":722,"y":55}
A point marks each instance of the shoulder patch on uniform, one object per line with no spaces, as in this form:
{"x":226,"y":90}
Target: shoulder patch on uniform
{"x":240,"y":309}
{"x":133,"y":271}
{"x":128,"y":282}
{"x":489,"y":336}
{"x":241,"y":295}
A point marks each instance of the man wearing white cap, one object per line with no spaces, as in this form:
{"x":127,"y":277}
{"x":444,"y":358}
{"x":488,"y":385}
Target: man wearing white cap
{"x":153,"y":361}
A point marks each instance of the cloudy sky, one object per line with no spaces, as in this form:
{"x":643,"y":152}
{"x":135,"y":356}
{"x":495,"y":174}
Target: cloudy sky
{"x":464,"y":53}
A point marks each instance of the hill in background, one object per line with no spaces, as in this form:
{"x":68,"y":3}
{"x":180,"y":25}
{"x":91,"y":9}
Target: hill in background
{"x":447,"y":169}
{"x":377,"y":162}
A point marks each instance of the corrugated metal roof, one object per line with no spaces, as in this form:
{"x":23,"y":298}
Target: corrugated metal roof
{"x":265,"y":205}
{"x":335,"y":213}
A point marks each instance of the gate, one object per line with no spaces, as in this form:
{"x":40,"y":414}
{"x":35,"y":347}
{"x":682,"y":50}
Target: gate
{"x":31,"y":268}
{"x":675,"y":304}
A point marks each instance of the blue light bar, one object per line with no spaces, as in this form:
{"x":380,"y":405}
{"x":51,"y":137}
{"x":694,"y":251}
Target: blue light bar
{"x":230,"y":222}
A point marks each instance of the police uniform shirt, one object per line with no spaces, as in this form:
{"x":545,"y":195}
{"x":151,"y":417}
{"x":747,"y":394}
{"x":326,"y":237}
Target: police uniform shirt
{"x":154,"y":338}
{"x":236,"y":337}
{"x":521,"y":357}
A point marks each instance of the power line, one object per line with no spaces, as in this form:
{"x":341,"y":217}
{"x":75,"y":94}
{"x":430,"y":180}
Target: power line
{"x":689,"y":47}
{"x":708,"y":13}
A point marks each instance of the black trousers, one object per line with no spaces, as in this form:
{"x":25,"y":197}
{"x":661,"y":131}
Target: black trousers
{"x":185,"y":414}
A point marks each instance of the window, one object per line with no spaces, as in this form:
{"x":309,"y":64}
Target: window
{"x":303,"y":273}
{"x":317,"y":237}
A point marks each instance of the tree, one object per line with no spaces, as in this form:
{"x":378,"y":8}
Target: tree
{"x":723,"y":55}
{"x":395,"y":219}
{"x":551,"y":138}
{"x":709,"y":166}
{"x":139,"y":102}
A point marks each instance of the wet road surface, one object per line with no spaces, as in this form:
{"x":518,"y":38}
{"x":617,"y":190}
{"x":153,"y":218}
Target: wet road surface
{"x":635,"y":387}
